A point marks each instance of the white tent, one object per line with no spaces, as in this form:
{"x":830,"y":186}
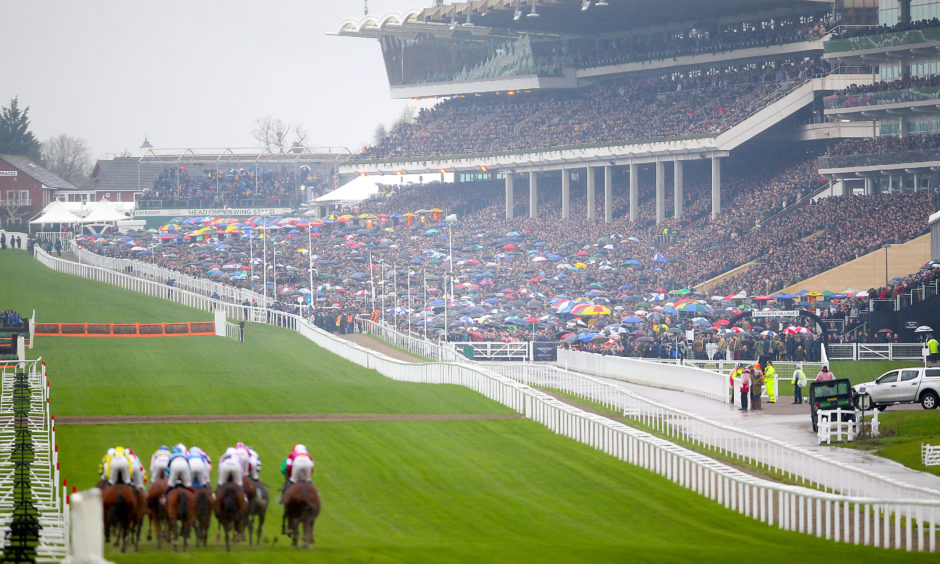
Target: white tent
{"x":102,"y":212}
{"x":354,"y":191}
{"x":56,"y":212}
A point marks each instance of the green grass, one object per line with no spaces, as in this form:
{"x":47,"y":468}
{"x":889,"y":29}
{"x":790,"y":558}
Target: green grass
{"x":902,"y":433}
{"x":503,"y":490}
{"x":457,"y":491}
{"x":857,"y":371}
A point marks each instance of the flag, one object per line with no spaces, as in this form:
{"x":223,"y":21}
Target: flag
{"x":659,"y":258}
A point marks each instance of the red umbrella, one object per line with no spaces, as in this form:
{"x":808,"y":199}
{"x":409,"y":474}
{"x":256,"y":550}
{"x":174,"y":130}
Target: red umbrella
{"x":509,"y":247}
{"x":763,"y":298}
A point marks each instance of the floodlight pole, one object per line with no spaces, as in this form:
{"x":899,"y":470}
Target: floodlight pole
{"x":372,"y":281}
{"x":264,"y":265}
{"x":409,"y":301}
{"x":310,"y":261}
{"x":274,"y":260}
{"x":395,"y":286}
{"x":424,"y":275}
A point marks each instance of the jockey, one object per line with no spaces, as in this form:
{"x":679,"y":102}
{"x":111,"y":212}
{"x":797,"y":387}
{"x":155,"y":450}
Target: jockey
{"x":138,"y":474}
{"x":230,"y":467}
{"x":119,"y":466}
{"x":200,"y":465}
{"x":159,"y":461}
{"x":255,"y":468}
{"x":297,"y":467}
{"x":244,"y":457}
{"x":178,"y":468}
{"x":103,"y":465}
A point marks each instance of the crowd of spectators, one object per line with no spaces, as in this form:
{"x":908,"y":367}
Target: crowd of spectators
{"x":181,"y":187}
{"x":882,"y":150}
{"x":10,"y":319}
{"x":907,"y":89}
{"x":694,"y":41}
{"x":844,"y":32}
{"x":628,"y":109}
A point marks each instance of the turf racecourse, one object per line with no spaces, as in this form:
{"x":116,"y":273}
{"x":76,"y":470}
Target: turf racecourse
{"x":491,"y":490}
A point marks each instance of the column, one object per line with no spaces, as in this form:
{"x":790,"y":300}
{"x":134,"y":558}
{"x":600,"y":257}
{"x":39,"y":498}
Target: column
{"x":590,"y":192}
{"x":509,"y":196}
{"x":608,"y":190}
{"x":565,"y":194}
{"x":716,"y":187}
{"x":634,"y":191}
{"x":533,"y":195}
{"x":868,"y":187}
{"x":677,"y":186}
{"x":660,"y":192}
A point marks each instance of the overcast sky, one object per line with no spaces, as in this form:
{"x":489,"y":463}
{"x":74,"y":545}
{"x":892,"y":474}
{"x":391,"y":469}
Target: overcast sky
{"x":194,"y":73}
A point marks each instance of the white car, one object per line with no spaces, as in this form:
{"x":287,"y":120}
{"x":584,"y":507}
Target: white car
{"x":905,"y":385}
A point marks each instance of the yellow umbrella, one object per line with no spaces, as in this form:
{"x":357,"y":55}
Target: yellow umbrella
{"x":580,"y":265}
{"x":438,"y":210}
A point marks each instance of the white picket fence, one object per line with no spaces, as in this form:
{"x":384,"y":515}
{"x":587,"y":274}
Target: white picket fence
{"x":930,"y":454}
{"x":47,"y":496}
{"x":909,"y":524}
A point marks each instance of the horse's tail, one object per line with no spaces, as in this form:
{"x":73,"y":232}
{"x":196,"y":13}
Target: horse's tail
{"x":202,"y":503}
{"x":230,"y":502}
{"x":182,"y":509}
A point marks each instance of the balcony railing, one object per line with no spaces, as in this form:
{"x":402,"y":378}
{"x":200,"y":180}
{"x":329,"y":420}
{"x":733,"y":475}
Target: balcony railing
{"x":895,"y":96}
{"x":197,"y":203}
{"x":18,"y":203}
{"x":874,"y":159}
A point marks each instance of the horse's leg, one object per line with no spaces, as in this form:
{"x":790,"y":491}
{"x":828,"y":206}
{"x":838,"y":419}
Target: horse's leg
{"x":308,"y":532}
{"x":227,"y":547}
{"x":260,"y":525}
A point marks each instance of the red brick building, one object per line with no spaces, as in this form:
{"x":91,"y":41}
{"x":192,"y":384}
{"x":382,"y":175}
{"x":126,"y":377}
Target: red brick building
{"x":25,"y":189}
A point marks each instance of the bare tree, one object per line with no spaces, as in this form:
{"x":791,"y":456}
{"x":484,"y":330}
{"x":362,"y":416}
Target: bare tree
{"x":14,"y":210}
{"x":68,"y":157}
{"x":272,"y":133}
{"x":407,"y":115}
{"x":300,"y":136}
{"x":380,"y":133}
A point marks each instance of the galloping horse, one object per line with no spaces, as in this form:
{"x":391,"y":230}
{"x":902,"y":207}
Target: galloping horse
{"x":156,"y":510}
{"x":301,"y":505}
{"x":258,"y":507}
{"x":119,"y":502}
{"x":203,"y":513}
{"x":230,"y":506}
{"x":180,"y":506}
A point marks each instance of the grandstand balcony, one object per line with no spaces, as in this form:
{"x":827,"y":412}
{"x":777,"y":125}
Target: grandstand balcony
{"x":886,"y":104}
{"x":199,"y":203}
{"x":906,"y":161}
{"x":884,"y":47}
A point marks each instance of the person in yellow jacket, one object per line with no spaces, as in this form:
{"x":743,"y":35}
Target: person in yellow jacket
{"x":116,"y":465}
{"x":770,"y":379}
{"x":734,"y":377}
{"x":799,"y":382}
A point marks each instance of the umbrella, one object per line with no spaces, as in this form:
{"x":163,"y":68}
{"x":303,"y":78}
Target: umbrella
{"x":924,"y":329}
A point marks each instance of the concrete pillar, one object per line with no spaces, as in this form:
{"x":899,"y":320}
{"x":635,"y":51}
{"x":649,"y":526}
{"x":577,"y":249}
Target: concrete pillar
{"x":916,"y":183}
{"x":660,"y":192}
{"x":677,"y":186}
{"x":868,"y":186}
{"x":509,"y":195}
{"x":608,"y":193}
{"x":716,"y":187}
{"x":590,"y":192}
{"x":565,"y":194}
{"x":533,"y":195}
{"x":634,"y":191}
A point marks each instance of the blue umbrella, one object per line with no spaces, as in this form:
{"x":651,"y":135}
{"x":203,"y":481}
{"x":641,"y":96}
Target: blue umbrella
{"x":632,"y":319}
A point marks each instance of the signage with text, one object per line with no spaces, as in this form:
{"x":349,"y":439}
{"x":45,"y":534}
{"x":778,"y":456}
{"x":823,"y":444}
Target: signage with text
{"x":214,"y":212}
{"x":780,"y":313}
{"x":545,"y":351}
{"x":8,"y":173}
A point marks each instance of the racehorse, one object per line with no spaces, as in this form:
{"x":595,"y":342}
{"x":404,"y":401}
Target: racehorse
{"x":156,"y":510}
{"x":301,"y":505}
{"x":119,"y":502}
{"x":230,"y":506}
{"x":258,"y":507}
{"x":203,"y":513}
{"x":250,"y":488}
{"x":180,"y":506}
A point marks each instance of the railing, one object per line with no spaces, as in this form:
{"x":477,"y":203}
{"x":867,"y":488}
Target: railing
{"x":688,"y":379}
{"x":31,"y":418}
{"x":877,"y":159}
{"x":740,"y":445}
{"x":22,"y":202}
{"x":843,"y":519}
{"x":930,"y":454}
{"x":420,"y":347}
{"x":876,"y":351}
{"x":489,"y":350}
{"x":893,"y":96}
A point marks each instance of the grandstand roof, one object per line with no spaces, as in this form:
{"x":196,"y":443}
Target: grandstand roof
{"x":484,"y":17}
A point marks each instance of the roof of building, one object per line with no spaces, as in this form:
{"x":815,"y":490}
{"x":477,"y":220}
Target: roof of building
{"x":42,"y":175}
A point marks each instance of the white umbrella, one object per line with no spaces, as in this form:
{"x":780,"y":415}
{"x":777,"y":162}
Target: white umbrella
{"x":924,"y":329}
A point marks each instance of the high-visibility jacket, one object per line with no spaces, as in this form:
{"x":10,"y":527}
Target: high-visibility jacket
{"x":770,"y":378}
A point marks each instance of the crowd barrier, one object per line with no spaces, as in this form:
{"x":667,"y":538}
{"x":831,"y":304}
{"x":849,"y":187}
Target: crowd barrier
{"x":688,"y":379}
{"x":740,"y":445}
{"x":31,"y":480}
{"x":181,"y":329}
{"x":908,"y":524}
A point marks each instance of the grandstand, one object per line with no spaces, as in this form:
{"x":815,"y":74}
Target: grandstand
{"x":609,"y":89}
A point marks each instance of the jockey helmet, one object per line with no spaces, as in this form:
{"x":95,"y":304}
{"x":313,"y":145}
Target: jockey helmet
{"x":111,"y":451}
{"x":178,"y":450}
{"x":299,"y":448}
{"x":164,"y":447}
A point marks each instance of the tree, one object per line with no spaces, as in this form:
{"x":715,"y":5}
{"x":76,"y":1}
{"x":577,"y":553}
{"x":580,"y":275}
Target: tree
{"x":69,"y":158}
{"x":15,"y":136}
{"x":272,"y":133}
{"x":380,"y":133}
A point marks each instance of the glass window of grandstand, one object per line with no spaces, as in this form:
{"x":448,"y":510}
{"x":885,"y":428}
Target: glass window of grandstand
{"x":922,"y":127}
{"x":924,"y":10}
{"x":889,"y":71}
{"x":888,"y":128}
{"x":78,"y":197}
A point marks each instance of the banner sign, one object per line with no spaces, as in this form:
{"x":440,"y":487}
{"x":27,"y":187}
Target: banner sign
{"x":214,"y":212}
{"x":8,"y":173}
{"x":780,"y":313}
{"x":545,"y":351}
